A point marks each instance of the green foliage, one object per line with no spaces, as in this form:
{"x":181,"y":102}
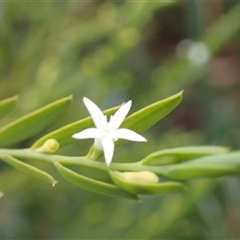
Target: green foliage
{"x":210,"y":166}
{"x":32,"y":123}
{"x":44,"y":116}
{"x":26,"y":168}
{"x":171,"y":156}
{"x":222,"y":31}
{"x":93,"y":185}
{"x":177,"y":164}
{"x":111,"y":52}
{"x":148,"y":116}
{"x":7,"y":106}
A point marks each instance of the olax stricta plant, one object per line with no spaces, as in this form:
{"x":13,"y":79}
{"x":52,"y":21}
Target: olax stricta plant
{"x":161,"y":172}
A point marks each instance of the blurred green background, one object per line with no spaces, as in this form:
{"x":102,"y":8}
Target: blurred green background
{"x":110,"y":52}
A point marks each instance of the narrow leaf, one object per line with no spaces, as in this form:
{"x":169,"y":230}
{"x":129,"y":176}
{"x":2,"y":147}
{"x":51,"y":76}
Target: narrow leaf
{"x":32,"y":123}
{"x":210,"y":166}
{"x":26,"y":168}
{"x":64,"y":134}
{"x":8,"y":105}
{"x":147,"y":187}
{"x":176,"y":155}
{"x":148,"y":116}
{"x":93,"y":185}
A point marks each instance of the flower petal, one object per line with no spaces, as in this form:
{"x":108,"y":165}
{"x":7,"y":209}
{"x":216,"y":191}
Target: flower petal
{"x":88,"y":133}
{"x":108,"y":149}
{"x":130,"y":135}
{"x":95,"y":112}
{"x":117,"y":119}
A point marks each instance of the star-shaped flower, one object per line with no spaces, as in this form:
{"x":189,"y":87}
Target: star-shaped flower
{"x":106,"y":132}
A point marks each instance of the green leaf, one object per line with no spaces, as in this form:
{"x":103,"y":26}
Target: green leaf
{"x":26,"y":168}
{"x":176,"y":155}
{"x":148,"y":116}
{"x":8,"y":105}
{"x":32,"y":123}
{"x":140,"y":187}
{"x":210,"y":166}
{"x":93,"y":185}
{"x":64,"y":134}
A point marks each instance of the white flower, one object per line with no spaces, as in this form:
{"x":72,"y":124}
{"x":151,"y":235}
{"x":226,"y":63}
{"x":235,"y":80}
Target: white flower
{"x":106,"y":132}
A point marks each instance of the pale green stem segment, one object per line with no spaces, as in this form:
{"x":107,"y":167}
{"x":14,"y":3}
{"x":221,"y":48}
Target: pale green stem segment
{"x":94,"y":153}
{"x":1,"y":194}
{"x":93,"y":185}
{"x":30,"y":155}
{"x":32,"y":123}
{"x":23,"y":167}
{"x":8,"y":105}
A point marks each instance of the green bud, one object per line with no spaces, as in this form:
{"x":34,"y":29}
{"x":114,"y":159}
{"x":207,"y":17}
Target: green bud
{"x":144,"y":182}
{"x":50,"y":146}
{"x":140,"y":177}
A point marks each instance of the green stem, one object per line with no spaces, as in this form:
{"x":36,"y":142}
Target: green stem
{"x":27,"y":154}
{"x":30,"y":155}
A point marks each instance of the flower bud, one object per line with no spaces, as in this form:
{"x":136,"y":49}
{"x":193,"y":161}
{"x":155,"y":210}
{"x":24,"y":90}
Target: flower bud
{"x":50,"y":146}
{"x":140,"y":177}
{"x":144,"y":182}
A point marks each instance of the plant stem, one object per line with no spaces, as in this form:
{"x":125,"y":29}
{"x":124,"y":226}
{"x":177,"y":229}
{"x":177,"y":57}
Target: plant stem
{"x":30,"y":155}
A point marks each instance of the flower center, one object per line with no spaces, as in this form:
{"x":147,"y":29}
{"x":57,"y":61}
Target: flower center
{"x":105,"y":129}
